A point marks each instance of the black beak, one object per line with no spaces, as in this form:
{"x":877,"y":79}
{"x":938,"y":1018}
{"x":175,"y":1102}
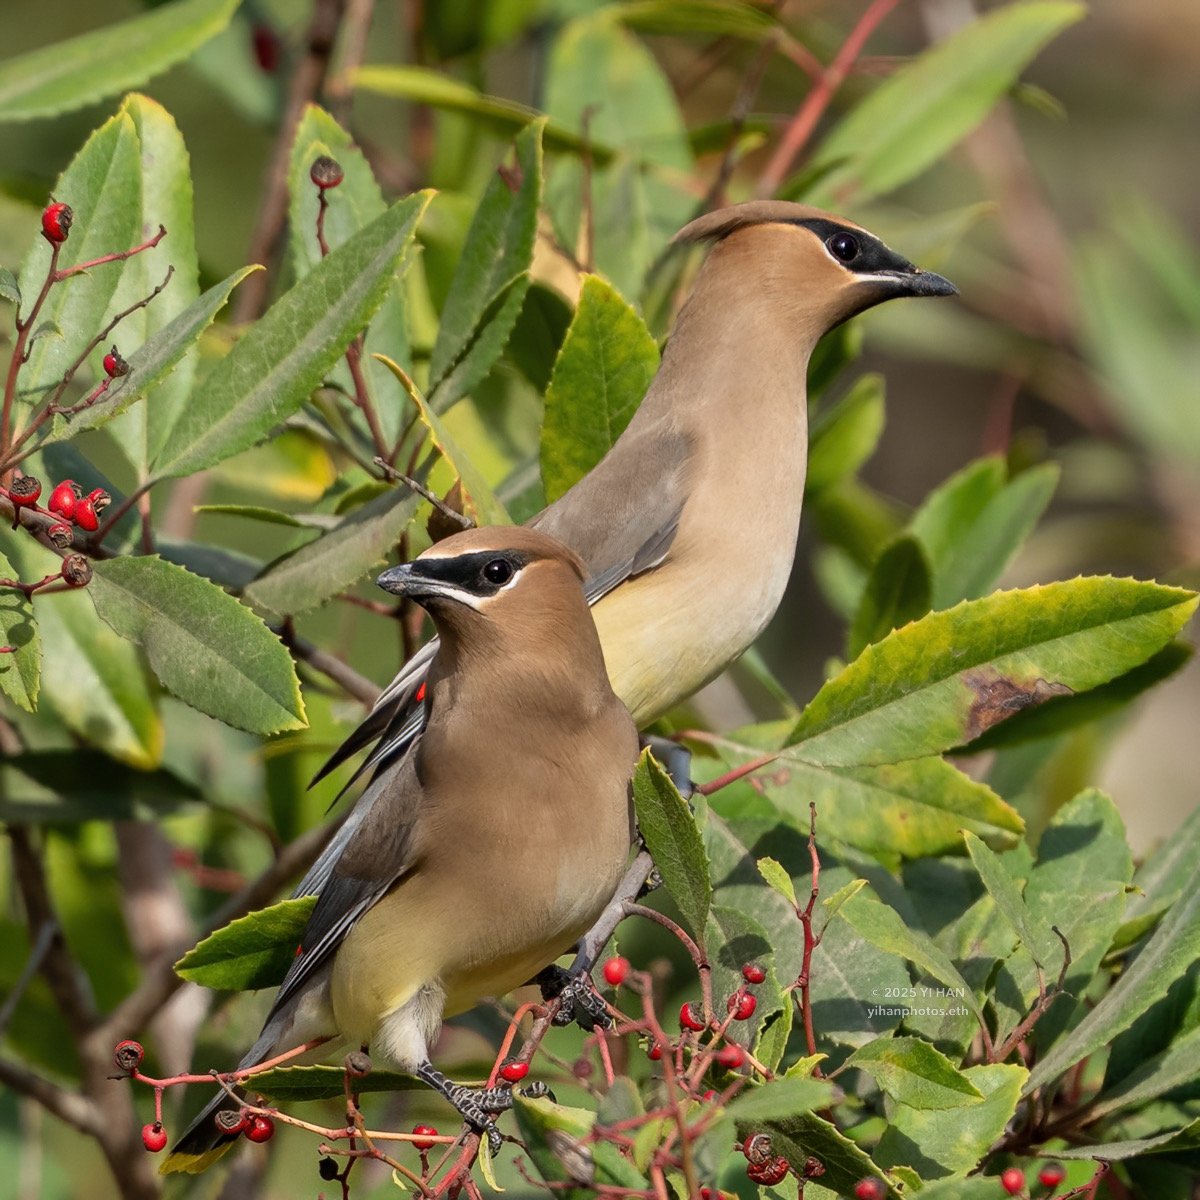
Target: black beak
{"x":916,"y":282}
{"x":402,"y":581}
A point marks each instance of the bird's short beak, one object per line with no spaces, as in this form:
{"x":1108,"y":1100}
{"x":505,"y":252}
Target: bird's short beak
{"x":402,"y":580}
{"x":923,"y":283}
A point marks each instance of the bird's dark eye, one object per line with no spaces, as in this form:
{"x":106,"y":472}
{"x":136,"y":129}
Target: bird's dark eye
{"x":843,"y":246}
{"x":498,"y":571}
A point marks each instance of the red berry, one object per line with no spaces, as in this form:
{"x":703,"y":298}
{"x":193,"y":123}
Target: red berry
{"x":615,"y":971}
{"x":128,"y":1055}
{"x":710,"y":1194}
{"x":655,"y":1052}
{"x":64,"y":498}
{"x":690,"y":1018}
{"x":758,"y":1149}
{"x":114,"y":365}
{"x":60,"y":535}
{"x":154,"y":1137}
{"x":514,"y":1071}
{"x":1051,"y":1175}
{"x":742,"y":1005}
{"x":731,"y":1056}
{"x":869,"y":1189}
{"x":770,"y":1172}
{"x":100,"y":499}
{"x":326,"y":172}
{"x":1012,"y":1181}
{"x":56,"y":222}
{"x":85,"y":514}
{"x":260,"y":1129}
{"x":753,"y":973}
{"x":422,"y":1142}
{"x":25,"y":490}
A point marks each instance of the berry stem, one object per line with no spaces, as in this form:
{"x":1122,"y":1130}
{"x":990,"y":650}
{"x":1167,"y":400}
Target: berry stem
{"x":811,"y":941}
{"x":119,"y":256}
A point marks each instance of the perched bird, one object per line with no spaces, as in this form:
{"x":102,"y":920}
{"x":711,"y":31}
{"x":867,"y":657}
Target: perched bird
{"x":688,"y":526}
{"x":491,"y":849}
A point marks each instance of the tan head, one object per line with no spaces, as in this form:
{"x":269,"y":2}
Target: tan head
{"x":820,"y":267}
{"x":499,"y":588}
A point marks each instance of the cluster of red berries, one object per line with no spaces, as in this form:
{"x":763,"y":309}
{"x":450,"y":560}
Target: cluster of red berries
{"x":1051,"y":1176}
{"x":68,"y":501}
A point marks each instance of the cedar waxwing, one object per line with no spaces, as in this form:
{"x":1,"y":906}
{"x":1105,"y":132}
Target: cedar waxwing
{"x":688,"y":526}
{"x":491,"y":849}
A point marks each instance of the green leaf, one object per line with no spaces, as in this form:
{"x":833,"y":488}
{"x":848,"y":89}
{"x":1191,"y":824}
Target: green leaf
{"x":255,"y":951}
{"x":480,"y":503}
{"x":882,"y":926}
{"x":1175,"y":1067}
{"x":1187,"y":1138}
{"x":845,"y":435}
{"x":169,"y":365}
{"x":21,"y":660}
{"x":922,"y":110}
{"x":935,"y":1145}
{"x":93,"y":680}
{"x":916,"y":809}
{"x":673,"y":840}
{"x":354,"y":204}
{"x":731,"y":939}
{"x":81,"y":70}
{"x":276,"y":366}
{"x":1171,"y":949}
{"x":103,"y":186}
{"x":941,"y":681}
{"x":336,"y":560}
{"x":606,"y":363}
{"x":974,"y":523}
{"x":491,"y":279}
{"x":50,"y":787}
{"x":898,"y":590}
{"x":1006,"y":895}
{"x":289,"y":1084}
{"x":777,"y":878}
{"x":913,"y":1073}
{"x":505,"y":117}
{"x":805,"y":1134}
{"x":152,"y":362}
{"x":10,"y":290}
{"x":255,"y":512}
{"x":205,"y":647}
{"x":780,"y":1098}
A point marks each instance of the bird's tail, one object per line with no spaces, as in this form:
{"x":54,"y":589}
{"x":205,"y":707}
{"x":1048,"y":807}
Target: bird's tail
{"x":204,"y":1141}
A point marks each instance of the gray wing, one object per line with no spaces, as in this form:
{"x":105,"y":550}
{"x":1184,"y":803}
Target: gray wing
{"x":354,"y":882}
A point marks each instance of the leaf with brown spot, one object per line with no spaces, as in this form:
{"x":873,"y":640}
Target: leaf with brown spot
{"x":998,"y":698}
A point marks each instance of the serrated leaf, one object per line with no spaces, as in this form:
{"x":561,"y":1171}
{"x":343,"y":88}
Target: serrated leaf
{"x":49,"y":787}
{"x":354,"y":204}
{"x":898,"y":590}
{"x":731,"y":939}
{"x":67,"y":74}
{"x":491,"y":278}
{"x":883,"y":927}
{"x":1187,"y":1138}
{"x":1175,"y":1067}
{"x":45,"y":329}
{"x":205,"y":647}
{"x":937,"y":1146}
{"x":920,"y":111}
{"x":153,"y":361}
{"x":336,"y":560}
{"x":780,"y":1098}
{"x":255,"y":951}
{"x":606,"y":363}
{"x":169,"y":366}
{"x":92,"y":679}
{"x":673,"y":840}
{"x":290,"y":1084}
{"x":21,"y":660}
{"x":777,"y":878}
{"x":805,"y":1134}
{"x":912,"y":1072}
{"x":1164,"y":876}
{"x":943,"y":680}
{"x":479,"y":501}
{"x":254,"y":512}
{"x":276,"y":366}
{"x":103,"y":186}
{"x":1005,"y":894}
{"x":845,"y":434}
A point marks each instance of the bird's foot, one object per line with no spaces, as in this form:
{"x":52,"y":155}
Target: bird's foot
{"x":477,"y":1106}
{"x":577,"y":998}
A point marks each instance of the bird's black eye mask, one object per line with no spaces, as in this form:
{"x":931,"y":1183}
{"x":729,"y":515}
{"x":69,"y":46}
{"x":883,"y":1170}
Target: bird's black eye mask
{"x":482,"y":573}
{"x":856,"y":250}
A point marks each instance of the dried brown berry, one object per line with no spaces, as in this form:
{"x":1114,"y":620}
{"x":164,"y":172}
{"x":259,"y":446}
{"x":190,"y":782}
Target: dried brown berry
{"x":231,"y":1121}
{"x":758,"y":1149}
{"x":127,"y":1055}
{"x":25,"y":490}
{"x":768,"y":1173}
{"x":327,"y":1169}
{"x":357,"y":1064}
{"x":326,"y":172}
{"x":77,"y":572}
{"x":61,"y":535}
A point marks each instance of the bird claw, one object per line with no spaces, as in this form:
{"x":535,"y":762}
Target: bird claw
{"x":577,"y":999}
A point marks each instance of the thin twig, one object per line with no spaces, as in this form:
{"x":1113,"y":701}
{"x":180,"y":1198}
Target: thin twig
{"x":345,"y":676}
{"x":77,"y":1111}
{"x":41,"y":944}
